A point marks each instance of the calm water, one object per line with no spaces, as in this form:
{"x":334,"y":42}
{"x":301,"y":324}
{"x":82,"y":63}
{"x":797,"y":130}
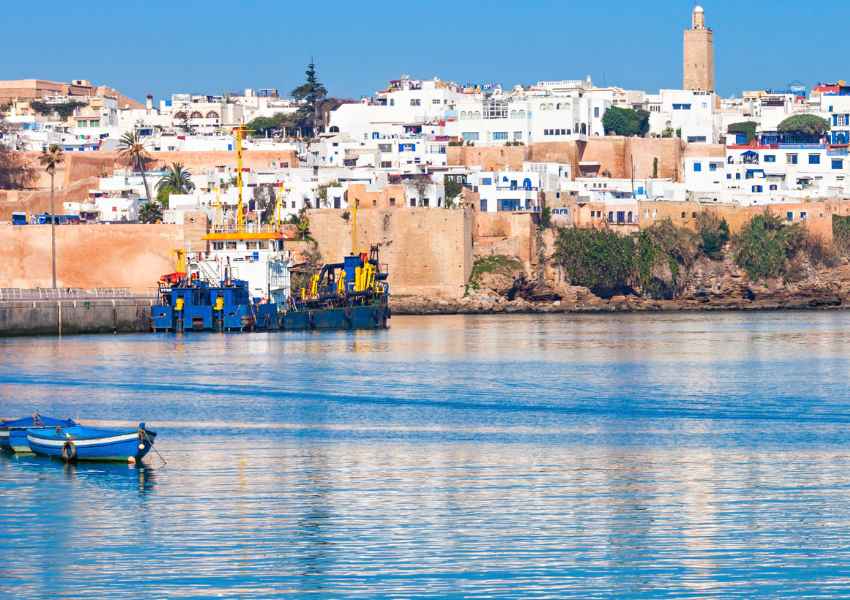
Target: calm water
{"x":595,"y":456}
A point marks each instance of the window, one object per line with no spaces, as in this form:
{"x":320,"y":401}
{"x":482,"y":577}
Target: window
{"x":697,"y":167}
{"x":218,"y":245}
{"x":435,"y":101}
{"x":757,"y":189}
{"x":610,"y":216}
{"x":803,"y":215}
{"x":392,"y":201}
{"x":483,"y":204}
{"x":386,"y":164}
{"x":415,"y":102}
{"x":385,"y":147}
{"x":486,"y":181}
{"x":496,"y":109}
{"x":771,"y":158}
{"x":684,"y":215}
{"x":500,"y":135}
{"x":814,"y":159}
{"x":791,"y":159}
{"x":681,"y":107}
{"x":231,"y":245}
{"x":517,"y":136}
{"x":773,"y":187}
{"x":737,"y":175}
{"x":470,"y":136}
{"x":837,"y":163}
{"x":595,"y":112}
{"x":712,"y":166}
{"x":789,"y":216}
{"x":413,"y":203}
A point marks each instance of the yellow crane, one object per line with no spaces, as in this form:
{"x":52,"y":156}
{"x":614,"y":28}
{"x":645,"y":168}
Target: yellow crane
{"x":278,"y":208}
{"x":240,"y":207}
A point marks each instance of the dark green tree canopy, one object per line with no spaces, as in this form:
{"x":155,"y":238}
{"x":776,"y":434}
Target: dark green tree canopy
{"x":312,"y":93}
{"x":804,"y":124}
{"x":746,"y":127}
{"x":625,"y":121}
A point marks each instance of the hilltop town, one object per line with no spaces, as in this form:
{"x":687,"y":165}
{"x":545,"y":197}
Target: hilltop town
{"x":479,"y":195}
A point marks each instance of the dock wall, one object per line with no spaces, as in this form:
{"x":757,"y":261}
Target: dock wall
{"x":67,"y":317}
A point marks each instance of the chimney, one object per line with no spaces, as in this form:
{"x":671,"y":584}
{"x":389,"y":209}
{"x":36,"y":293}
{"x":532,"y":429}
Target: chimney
{"x":149,"y":102}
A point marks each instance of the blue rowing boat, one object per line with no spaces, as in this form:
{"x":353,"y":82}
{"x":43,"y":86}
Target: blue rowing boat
{"x":88,"y":443}
{"x":13,"y":434}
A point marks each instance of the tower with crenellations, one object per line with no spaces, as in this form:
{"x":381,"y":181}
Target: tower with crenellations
{"x":698,"y":54}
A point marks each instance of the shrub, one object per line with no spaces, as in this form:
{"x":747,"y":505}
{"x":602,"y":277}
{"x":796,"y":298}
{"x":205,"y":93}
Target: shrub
{"x":713,"y":232}
{"x":496,"y":263}
{"x":599,"y":260}
{"x":545,"y":218}
{"x":665,"y":256}
{"x":764,"y":247}
{"x":820,"y":252}
{"x":841,"y":234}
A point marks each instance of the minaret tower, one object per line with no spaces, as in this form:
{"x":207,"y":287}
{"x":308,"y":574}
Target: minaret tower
{"x":698,"y":54}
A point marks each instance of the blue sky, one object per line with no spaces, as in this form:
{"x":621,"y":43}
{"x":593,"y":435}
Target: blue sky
{"x":141,"y":46}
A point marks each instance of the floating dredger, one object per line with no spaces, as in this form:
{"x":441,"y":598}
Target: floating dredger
{"x":242,"y":283}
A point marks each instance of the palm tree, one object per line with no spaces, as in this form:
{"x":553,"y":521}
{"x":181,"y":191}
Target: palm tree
{"x":176,"y":180}
{"x":49,"y":159}
{"x":133,"y":151}
{"x":150,"y":212}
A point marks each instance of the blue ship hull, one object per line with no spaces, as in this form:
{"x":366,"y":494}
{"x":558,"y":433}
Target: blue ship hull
{"x":13,"y":434}
{"x":372,"y":316}
{"x":85,"y":443}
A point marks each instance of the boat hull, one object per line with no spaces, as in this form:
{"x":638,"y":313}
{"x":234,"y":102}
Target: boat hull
{"x":372,"y":316}
{"x":18,"y":442}
{"x":121,"y":447}
{"x":13,"y":434}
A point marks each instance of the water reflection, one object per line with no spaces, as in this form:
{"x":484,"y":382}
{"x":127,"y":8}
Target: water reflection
{"x":677,"y":456}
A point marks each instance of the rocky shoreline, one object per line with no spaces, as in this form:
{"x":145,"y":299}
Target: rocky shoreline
{"x":724,"y":290}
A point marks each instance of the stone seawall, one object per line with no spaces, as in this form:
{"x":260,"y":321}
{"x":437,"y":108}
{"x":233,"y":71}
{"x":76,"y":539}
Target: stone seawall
{"x":66,"y":317}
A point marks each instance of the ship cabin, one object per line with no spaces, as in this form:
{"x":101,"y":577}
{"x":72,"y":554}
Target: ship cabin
{"x":257,"y":257}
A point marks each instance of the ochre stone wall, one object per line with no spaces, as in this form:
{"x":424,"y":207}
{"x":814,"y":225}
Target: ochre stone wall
{"x":818,"y":218}
{"x":428,"y":251}
{"x":389,"y":196}
{"x":613,"y":153}
{"x":491,"y":158}
{"x":81,"y":165}
{"x":89,"y":256}
{"x":506,"y":233}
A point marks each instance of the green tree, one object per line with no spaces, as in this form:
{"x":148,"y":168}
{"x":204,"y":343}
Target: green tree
{"x":132,"y":150}
{"x":764,"y":247}
{"x":713,"y":232}
{"x":311,"y":93}
{"x":665,"y":255}
{"x":810,"y":125}
{"x":150,"y":212}
{"x":600,"y":260}
{"x":50,"y":158}
{"x":745,"y":127}
{"x":177,"y":180}
{"x":453,"y":189}
{"x":625,"y":121}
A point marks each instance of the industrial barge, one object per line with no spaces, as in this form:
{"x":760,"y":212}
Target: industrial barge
{"x":242,"y":282}
{"x":251,"y":292}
